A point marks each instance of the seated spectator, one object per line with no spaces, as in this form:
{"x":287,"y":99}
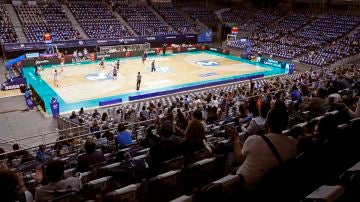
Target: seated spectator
{"x":12,"y":187}
{"x":94,"y":128}
{"x":318,"y":104}
{"x":167,"y":148}
{"x":55,"y":173}
{"x":257,"y":124}
{"x":100,"y":141}
{"x":41,"y":154}
{"x":90,"y":158}
{"x":95,"y":114}
{"x":104,"y":116}
{"x":73,"y":115}
{"x":108,"y":134}
{"x":255,"y":155}
{"x":325,"y":129}
{"x":117,"y":117}
{"x":295,"y":94}
{"x":194,"y":134}
{"x":81,"y":112}
{"x":124,"y":137}
{"x":356,"y":113}
{"x":23,"y":154}
{"x":150,"y":137}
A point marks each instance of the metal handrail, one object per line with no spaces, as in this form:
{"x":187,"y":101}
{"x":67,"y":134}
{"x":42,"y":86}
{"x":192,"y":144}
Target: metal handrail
{"x":43,"y":136}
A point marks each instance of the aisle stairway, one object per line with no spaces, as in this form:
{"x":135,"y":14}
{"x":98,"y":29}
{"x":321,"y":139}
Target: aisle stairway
{"x":16,"y":22}
{"x":73,"y":21}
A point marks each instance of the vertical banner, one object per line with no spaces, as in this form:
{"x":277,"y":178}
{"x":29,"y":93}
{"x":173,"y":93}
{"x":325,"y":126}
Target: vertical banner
{"x":205,"y":36}
{"x":55,"y":107}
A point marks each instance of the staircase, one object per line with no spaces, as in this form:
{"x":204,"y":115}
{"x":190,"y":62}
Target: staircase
{"x":73,"y":21}
{"x":158,"y":16}
{"x":124,"y":23}
{"x":189,"y":19}
{"x":16,"y":22}
{"x":354,"y":31}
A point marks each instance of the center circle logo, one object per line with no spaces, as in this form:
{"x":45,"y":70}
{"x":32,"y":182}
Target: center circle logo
{"x":98,"y":76}
{"x":163,"y":69}
{"x":207,"y":63}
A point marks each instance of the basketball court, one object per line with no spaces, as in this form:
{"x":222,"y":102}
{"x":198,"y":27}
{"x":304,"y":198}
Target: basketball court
{"x":84,"y":84}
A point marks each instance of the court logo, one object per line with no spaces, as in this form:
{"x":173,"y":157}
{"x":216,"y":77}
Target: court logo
{"x":163,"y":69}
{"x":207,"y":63}
{"x":208,"y":74}
{"x":101,"y":76}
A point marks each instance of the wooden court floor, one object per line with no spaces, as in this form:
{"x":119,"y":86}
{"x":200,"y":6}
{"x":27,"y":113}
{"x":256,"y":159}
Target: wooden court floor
{"x":89,"y":81}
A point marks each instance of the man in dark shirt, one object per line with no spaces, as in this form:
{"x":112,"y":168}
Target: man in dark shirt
{"x":168,"y":148}
{"x":91,"y":157}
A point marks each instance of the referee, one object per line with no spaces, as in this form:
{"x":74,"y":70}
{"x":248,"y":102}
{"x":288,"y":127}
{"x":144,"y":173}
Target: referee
{"x":138,"y":81}
{"x":153,"y":69}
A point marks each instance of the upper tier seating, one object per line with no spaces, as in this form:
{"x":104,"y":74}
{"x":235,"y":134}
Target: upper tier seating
{"x":45,"y":18}
{"x":200,"y":13}
{"x":176,"y":20}
{"x":7,"y":31}
{"x":97,"y":19}
{"x":143,"y":21}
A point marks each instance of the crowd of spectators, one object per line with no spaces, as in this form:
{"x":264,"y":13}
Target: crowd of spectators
{"x":7,"y":31}
{"x":43,"y":18}
{"x":226,"y":121}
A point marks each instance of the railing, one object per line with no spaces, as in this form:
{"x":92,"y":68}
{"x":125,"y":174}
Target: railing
{"x":82,"y":137}
{"x":66,"y":127}
{"x":346,"y":60}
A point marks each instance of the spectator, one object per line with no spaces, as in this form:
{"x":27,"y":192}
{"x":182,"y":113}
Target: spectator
{"x":41,"y":154}
{"x":104,"y":116}
{"x":73,"y":115}
{"x":12,"y":187}
{"x":150,"y":138}
{"x":95,"y":114}
{"x":94,"y":128}
{"x":123,"y":138}
{"x":356,"y":113}
{"x":167,"y":148}
{"x":81,"y":112}
{"x":108,"y":134}
{"x":90,"y":158}
{"x":117,"y":116}
{"x":194,"y":134}
{"x":295,"y":94}
{"x":257,"y":124}
{"x":55,"y":173}
{"x":100,"y":141}
{"x":255,"y":155}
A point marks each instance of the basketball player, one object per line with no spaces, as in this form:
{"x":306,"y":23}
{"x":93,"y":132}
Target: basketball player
{"x":115,"y":73}
{"x":153,"y":69}
{"x":56,"y":78}
{"x":102,"y":62}
{"x":143,"y":57}
{"x":62,"y":64}
{"x":138,"y":81}
{"x":164,"y":48}
{"x":37,"y":70}
{"x":118,"y":64}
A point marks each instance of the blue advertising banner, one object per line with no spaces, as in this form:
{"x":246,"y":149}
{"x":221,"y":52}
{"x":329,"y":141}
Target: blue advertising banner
{"x":205,"y":36}
{"x":32,"y":46}
{"x":55,"y":107}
